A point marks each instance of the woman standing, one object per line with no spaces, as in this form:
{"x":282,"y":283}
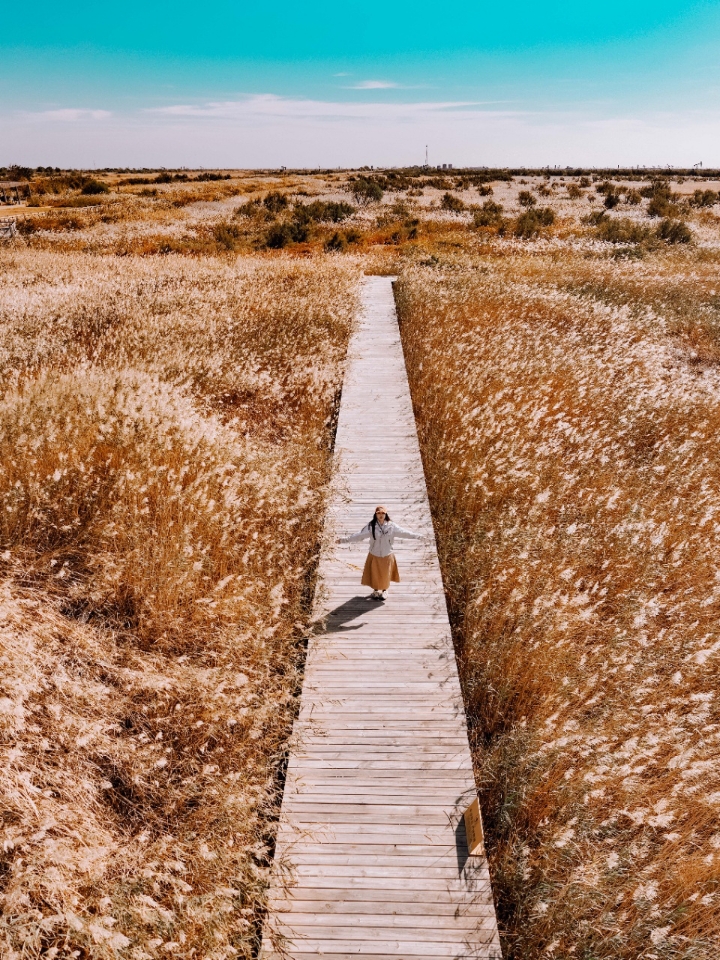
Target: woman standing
{"x":380,"y":566}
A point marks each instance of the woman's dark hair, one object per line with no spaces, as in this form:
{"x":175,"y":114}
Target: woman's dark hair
{"x":373,"y":523}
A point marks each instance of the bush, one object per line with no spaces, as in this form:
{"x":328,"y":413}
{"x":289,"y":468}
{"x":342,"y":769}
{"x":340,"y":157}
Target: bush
{"x":366,"y":191}
{"x":674,"y":231}
{"x":336,"y":242}
{"x":452,"y":203}
{"x":611,"y":200}
{"x":661,"y":199}
{"x":607,"y":187}
{"x":248,"y":209}
{"x":226,"y":235}
{"x":94,"y":187}
{"x":485,"y":190}
{"x":573,"y":191}
{"x":290,"y":231}
{"x":704,"y":198}
{"x":595,"y":218}
{"x":526,"y":199}
{"x":275,"y":202}
{"x":620,"y":230}
{"x":489,"y":216}
{"x":658,"y":188}
{"x":530,"y":223}
{"x":660,"y":206}
{"x":321,"y":211}
{"x":632,"y":197}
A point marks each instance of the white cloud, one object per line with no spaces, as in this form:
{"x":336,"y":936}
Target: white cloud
{"x":373,"y":85}
{"x":70,"y":114}
{"x":270,"y":107}
{"x":265,"y":130}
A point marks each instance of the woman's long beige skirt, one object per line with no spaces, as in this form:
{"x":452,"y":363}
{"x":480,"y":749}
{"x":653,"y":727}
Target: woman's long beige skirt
{"x":380,"y":572}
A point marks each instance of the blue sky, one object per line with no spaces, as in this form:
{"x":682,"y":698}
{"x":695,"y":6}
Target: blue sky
{"x":235,"y":84}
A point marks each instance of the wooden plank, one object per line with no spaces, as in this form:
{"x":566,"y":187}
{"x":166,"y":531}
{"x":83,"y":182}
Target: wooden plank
{"x":371,"y":858}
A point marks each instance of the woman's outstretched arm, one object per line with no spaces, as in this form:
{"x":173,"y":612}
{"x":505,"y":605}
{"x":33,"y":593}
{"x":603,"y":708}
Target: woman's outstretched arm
{"x":354,"y":537}
{"x":402,"y":534}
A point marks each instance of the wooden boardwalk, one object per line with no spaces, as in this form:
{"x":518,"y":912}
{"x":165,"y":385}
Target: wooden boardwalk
{"x":371,"y":856}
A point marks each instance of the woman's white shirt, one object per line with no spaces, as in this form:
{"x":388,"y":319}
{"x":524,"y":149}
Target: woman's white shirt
{"x":385,"y":534}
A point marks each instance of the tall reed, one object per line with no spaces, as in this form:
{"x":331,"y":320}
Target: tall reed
{"x":571,"y":449}
{"x":165,"y":432}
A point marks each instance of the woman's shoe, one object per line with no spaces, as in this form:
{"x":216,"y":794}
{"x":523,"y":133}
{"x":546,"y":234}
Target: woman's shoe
{"x":383,"y":595}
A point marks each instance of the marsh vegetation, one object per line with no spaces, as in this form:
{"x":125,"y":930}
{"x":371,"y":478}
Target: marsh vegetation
{"x":171,"y":348}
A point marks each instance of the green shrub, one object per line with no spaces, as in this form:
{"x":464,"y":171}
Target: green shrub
{"x":321,"y":211}
{"x":704,"y":198}
{"x":366,"y":191}
{"x":489,"y":216}
{"x":526,"y":199}
{"x":94,"y":187}
{"x":530,"y":223}
{"x":658,"y":188}
{"x":674,"y":231}
{"x":275,"y":202}
{"x":290,"y":231}
{"x":660,"y":206}
{"x":452,"y":203}
{"x":226,"y":235}
{"x":595,"y":218}
{"x":336,"y":242}
{"x":607,"y":187}
{"x":661,"y":199}
{"x":248,"y":209}
{"x":621,"y":230}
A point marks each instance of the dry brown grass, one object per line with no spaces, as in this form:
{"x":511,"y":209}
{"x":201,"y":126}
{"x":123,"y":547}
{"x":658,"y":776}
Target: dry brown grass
{"x":165,"y":422}
{"x":164,"y":442}
{"x":571,"y":449}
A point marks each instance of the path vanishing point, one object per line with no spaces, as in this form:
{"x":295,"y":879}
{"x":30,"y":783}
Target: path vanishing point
{"x":371,"y":857}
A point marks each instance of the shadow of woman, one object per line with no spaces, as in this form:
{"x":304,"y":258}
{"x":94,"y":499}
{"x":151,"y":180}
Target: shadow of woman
{"x":351,"y":609}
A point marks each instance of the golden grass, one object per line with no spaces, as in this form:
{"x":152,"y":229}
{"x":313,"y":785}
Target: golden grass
{"x":164,"y":445}
{"x":571,"y":450}
{"x":165,"y":421}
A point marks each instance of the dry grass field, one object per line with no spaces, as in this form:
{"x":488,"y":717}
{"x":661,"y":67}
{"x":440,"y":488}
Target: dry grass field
{"x":570,"y":437}
{"x":164,"y":448}
{"x":171,"y":348}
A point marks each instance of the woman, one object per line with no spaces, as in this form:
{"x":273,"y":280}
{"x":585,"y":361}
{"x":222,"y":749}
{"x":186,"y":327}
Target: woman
{"x":380,"y":565}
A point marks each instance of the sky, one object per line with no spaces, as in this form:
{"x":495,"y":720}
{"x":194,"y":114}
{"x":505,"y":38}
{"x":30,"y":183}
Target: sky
{"x":240,"y":85}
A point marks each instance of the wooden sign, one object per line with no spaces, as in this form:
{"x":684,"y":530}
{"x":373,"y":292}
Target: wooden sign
{"x":474,"y":829}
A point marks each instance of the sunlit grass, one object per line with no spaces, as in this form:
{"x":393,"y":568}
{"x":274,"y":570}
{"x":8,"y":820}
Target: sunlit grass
{"x":164,"y":451}
{"x":570,"y":446}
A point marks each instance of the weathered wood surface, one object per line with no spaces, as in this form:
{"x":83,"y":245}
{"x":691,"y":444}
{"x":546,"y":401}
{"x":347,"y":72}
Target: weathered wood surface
{"x":8,"y":228}
{"x":371,"y":857}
